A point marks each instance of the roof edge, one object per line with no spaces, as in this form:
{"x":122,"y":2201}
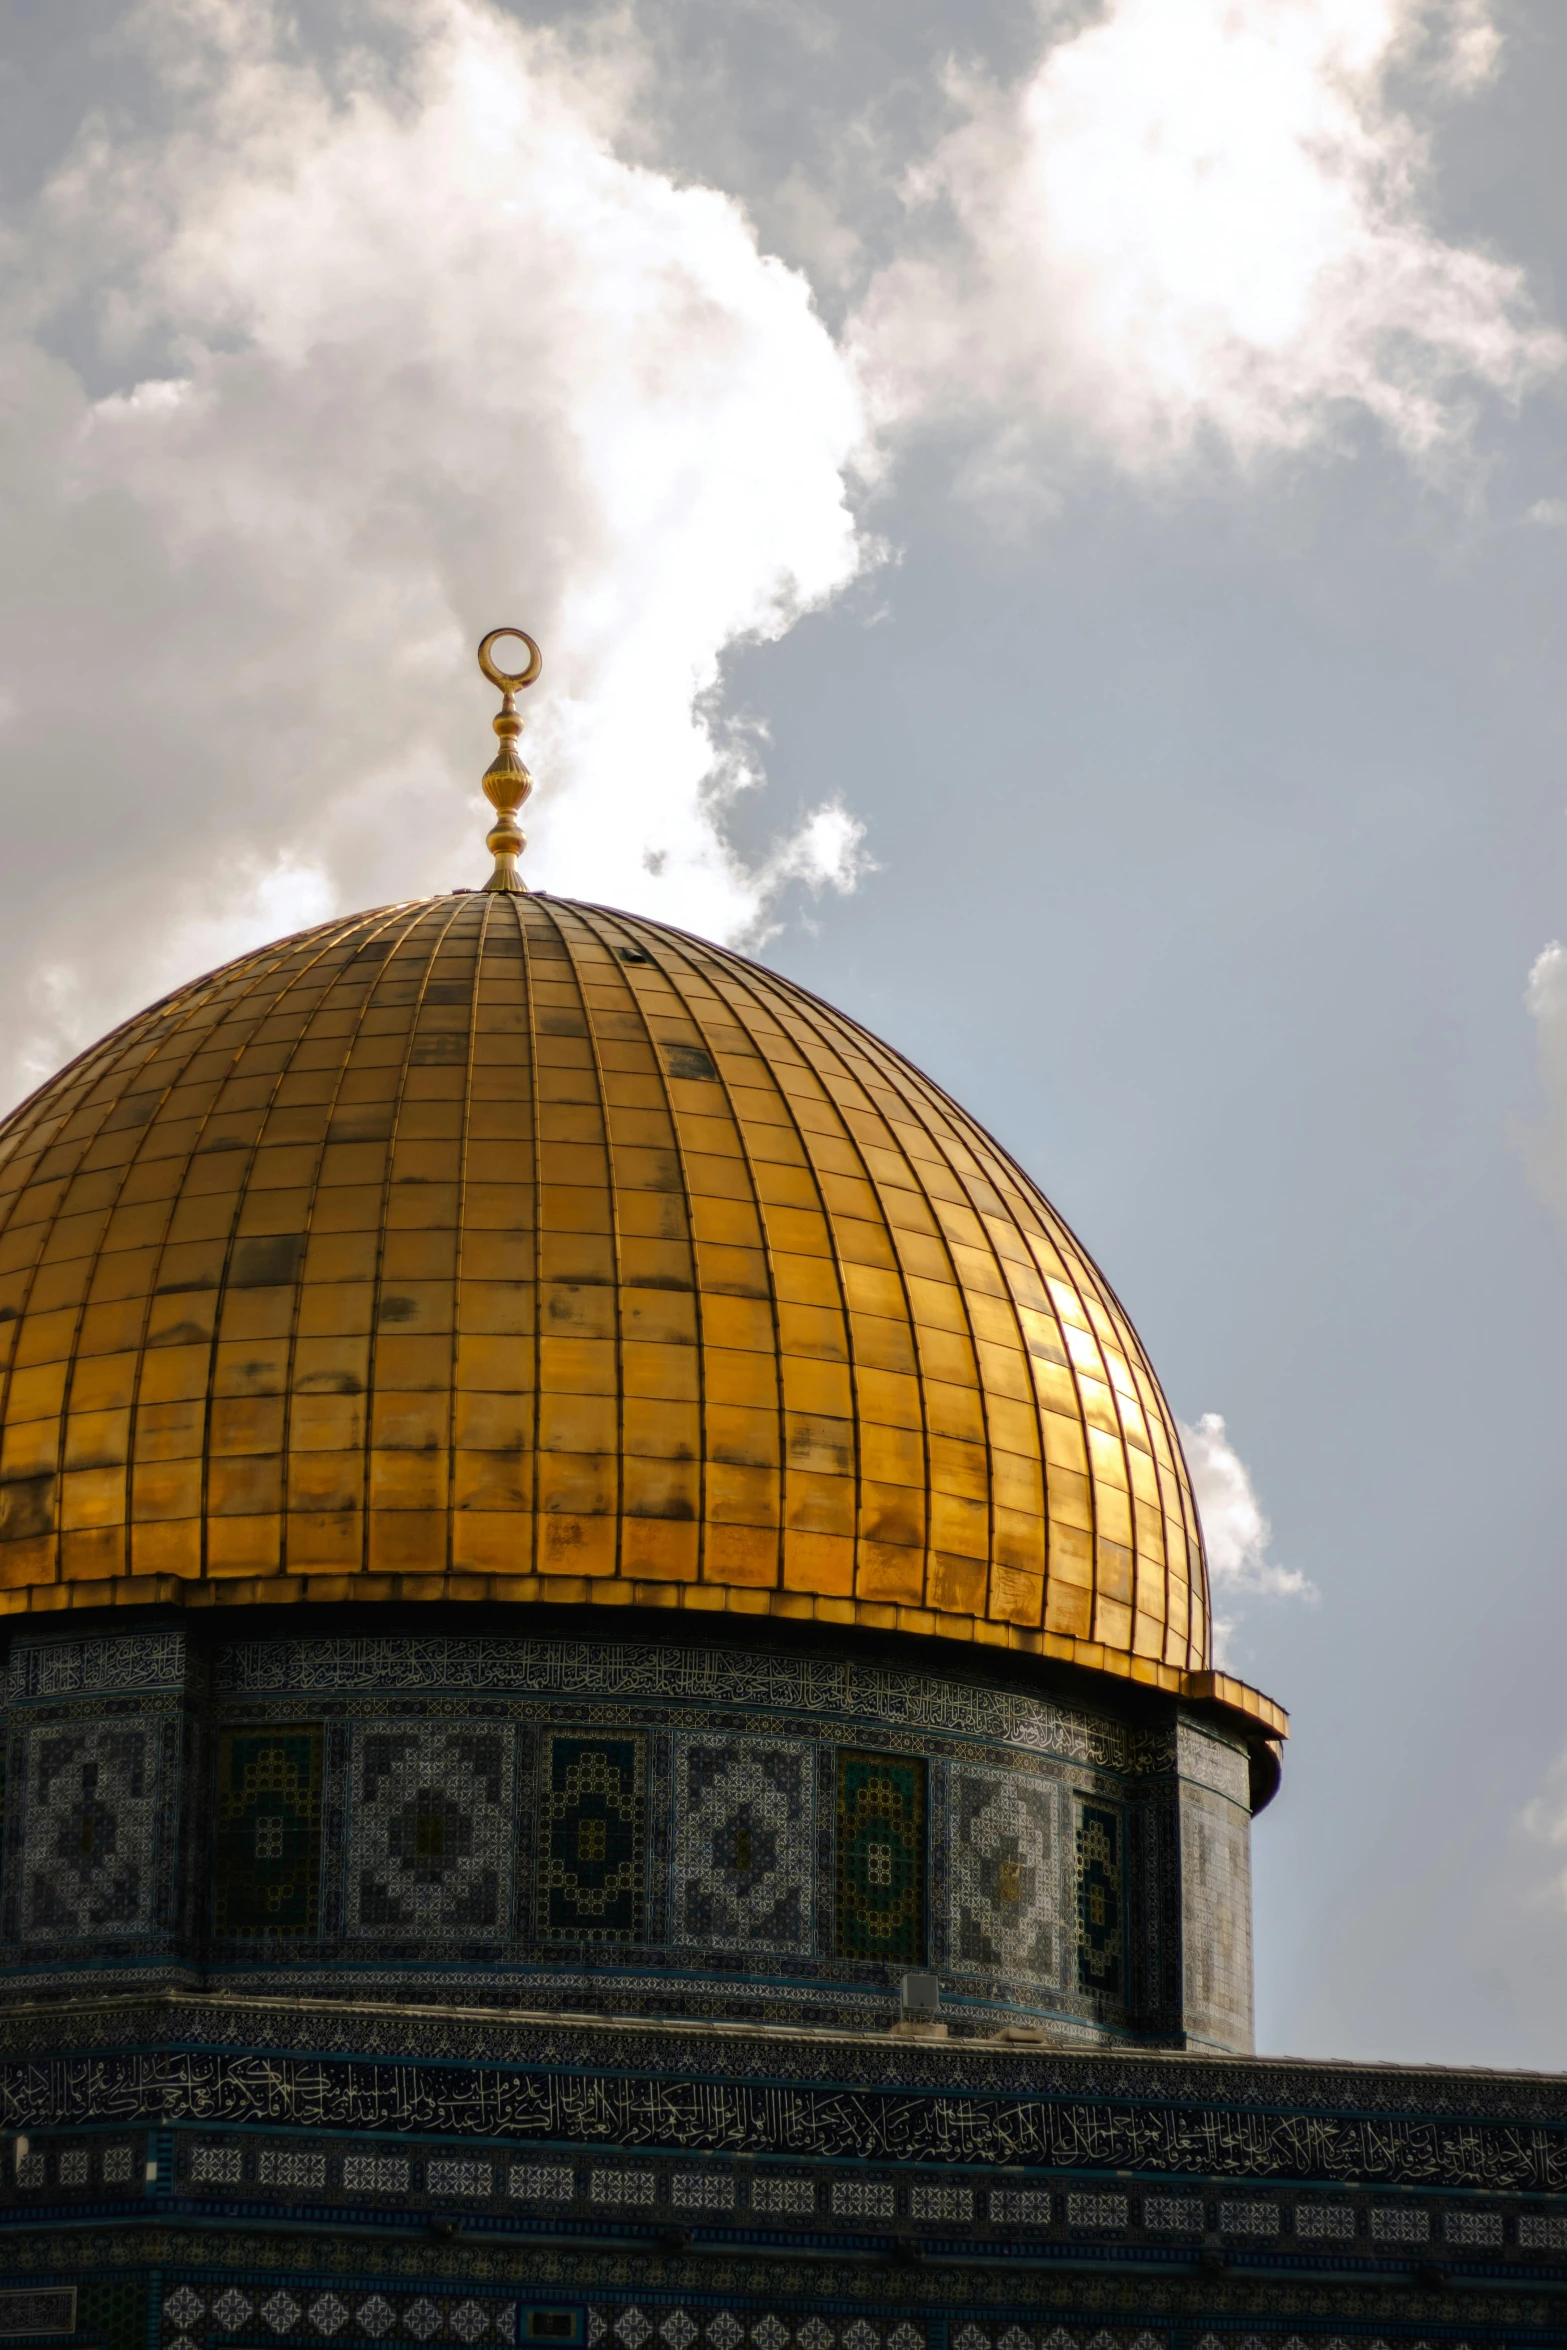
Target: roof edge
{"x":1257,"y":1714}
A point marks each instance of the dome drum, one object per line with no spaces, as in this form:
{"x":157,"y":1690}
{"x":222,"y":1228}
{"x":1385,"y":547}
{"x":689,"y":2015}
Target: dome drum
{"x":633,"y":1820}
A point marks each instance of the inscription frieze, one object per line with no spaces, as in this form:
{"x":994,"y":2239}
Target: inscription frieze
{"x":118,"y":1661}
{"x":172,"y":2087}
{"x":839,"y":1687}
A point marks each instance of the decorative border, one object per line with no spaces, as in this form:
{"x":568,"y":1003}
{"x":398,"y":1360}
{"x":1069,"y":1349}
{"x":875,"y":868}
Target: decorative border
{"x":838,"y":1687}
{"x":72,"y":1668}
{"x":1026,"y":2308}
{"x":597,"y":2096}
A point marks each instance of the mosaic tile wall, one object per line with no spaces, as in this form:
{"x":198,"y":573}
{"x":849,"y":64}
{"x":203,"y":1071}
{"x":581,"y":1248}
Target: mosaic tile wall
{"x":266,"y":1841}
{"x":592,"y":1842}
{"x":92,"y":1791}
{"x":431,"y":1845}
{"x":880,"y":1842}
{"x":198,"y":2312}
{"x":1099,"y":1851}
{"x":242,"y":2177}
{"x":745,"y":1822}
{"x":681,"y":1830}
{"x":1006,"y":1873}
{"x":246,"y":2307}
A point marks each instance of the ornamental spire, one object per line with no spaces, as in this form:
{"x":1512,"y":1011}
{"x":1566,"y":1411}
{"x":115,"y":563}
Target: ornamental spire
{"x":507,"y":782}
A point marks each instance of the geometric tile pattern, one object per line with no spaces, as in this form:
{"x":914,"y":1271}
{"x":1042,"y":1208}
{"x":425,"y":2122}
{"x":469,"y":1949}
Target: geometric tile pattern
{"x":359,"y":2317}
{"x":1030,"y":2206}
{"x":541,"y":2182}
{"x":593,"y":1845}
{"x":633,"y":2328}
{"x":430,"y":1835}
{"x":1473,"y":2227}
{"x":88,"y":1865}
{"x":949,"y":2203}
{"x":267,"y":1845}
{"x":744,"y":1845}
{"x":700,"y":2191}
{"x":784,"y":2198}
{"x":376,"y":2174}
{"x":1006,"y":1889}
{"x":1404,"y":2224}
{"x":1183,"y":2212}
{"x":1100,"y":1906}
{"x":881,"y":1857}
{"x":622,"y":2186}
{"x":1333,"y":2220}
{"x":1096,"y":2211}
{"x":277,"y":2167}
{"x":1057,"y":2337}
{"x":863,"y":2199}
{"x":455,"y":2176}
{"x":1249,"y":2219}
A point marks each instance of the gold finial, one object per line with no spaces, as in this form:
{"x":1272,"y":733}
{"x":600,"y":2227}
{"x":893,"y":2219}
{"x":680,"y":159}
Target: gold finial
{"x":507,"y":782}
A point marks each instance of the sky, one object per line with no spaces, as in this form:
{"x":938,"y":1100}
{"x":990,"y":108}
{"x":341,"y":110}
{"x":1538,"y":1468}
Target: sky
{"x":1047,"y":522}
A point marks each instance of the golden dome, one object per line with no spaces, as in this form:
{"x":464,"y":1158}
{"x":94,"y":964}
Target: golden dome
{"x":500,"y":1247}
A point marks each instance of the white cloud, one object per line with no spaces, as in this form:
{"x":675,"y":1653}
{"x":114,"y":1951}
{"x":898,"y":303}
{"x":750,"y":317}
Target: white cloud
{"x":403,"y":350}
{"x":1544,"y":1821}
{"x":1545,"y":997}
{"x":1204,"y":225}
{"x":1234,"y":1531}
{"x":1545,"y":1143}
{"x":827,"y":852}
{"x":1464,"y":44}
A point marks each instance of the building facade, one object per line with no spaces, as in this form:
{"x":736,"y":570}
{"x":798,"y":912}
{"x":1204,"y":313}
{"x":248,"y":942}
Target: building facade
{"x":611,"y":1734}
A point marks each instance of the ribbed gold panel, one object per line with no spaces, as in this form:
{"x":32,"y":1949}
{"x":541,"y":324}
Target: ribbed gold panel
{"x":502,"y":1247}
